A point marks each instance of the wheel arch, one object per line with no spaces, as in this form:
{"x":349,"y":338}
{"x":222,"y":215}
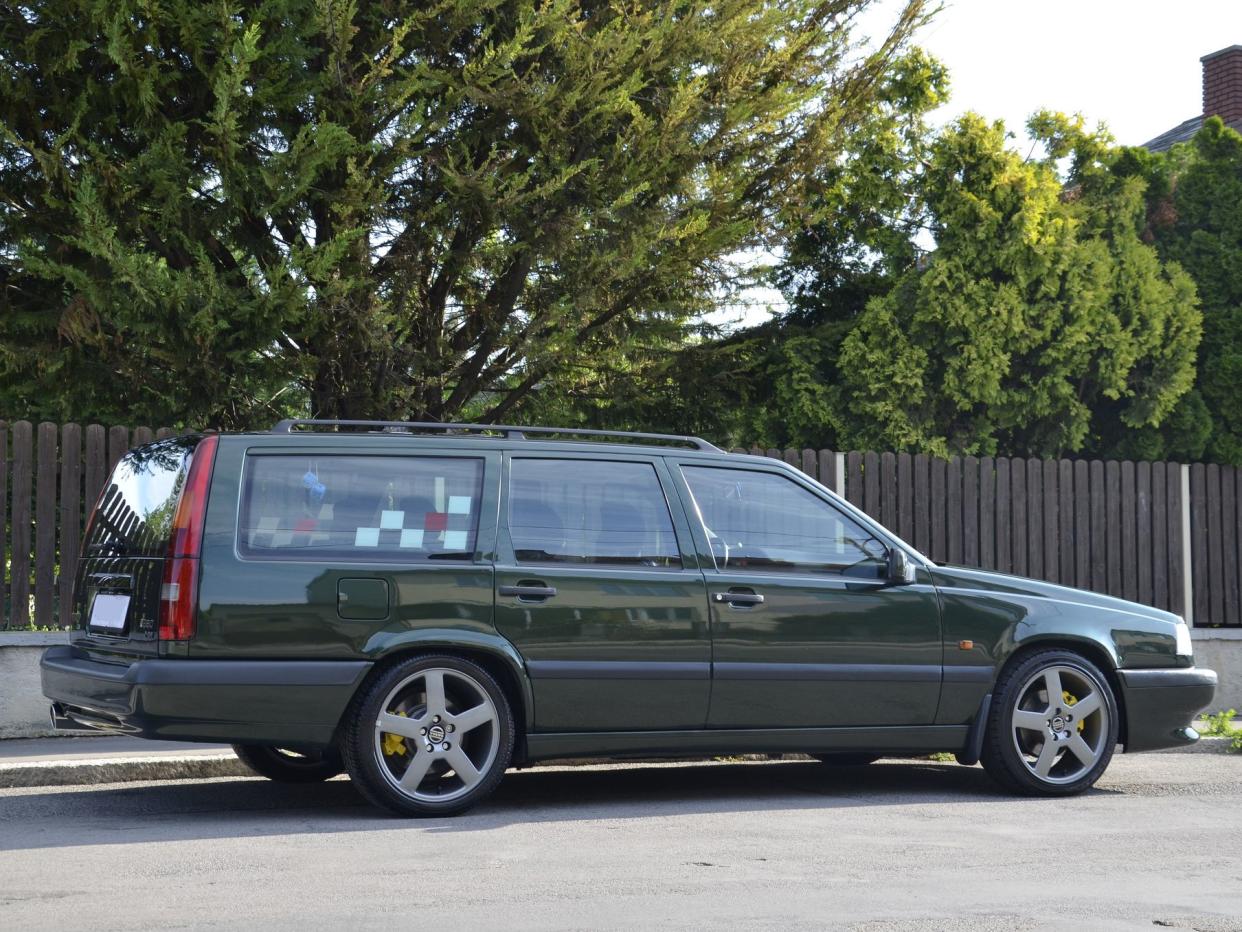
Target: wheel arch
{"x":494,"y":654}
{"x":1090,"y":649}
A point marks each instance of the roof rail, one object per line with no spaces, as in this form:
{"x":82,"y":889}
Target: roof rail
{"x":510,"y":432}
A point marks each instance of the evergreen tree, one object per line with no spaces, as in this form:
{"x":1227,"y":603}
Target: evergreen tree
{"x":220,"y":212}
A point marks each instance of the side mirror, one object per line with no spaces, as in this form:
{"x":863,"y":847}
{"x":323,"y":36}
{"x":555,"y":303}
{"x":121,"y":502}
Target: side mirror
{"x":900,"y":569}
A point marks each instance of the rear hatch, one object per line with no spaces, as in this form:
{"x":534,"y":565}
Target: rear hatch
{"x":118,"y":586}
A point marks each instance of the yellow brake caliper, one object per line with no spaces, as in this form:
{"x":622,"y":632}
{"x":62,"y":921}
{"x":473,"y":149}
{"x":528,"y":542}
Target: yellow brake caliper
{"x":394,"y":745}
{"x":1070,"y":701}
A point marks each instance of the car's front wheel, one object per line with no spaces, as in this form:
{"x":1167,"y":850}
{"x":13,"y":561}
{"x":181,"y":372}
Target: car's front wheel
{"x":290,"y":765}
{"x":429,"y":736}
{"x":1053,"y":725}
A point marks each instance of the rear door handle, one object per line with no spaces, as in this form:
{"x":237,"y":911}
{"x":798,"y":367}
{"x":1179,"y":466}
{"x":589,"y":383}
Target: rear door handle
{"x":738,"y":598}
{"x":528,"y":591}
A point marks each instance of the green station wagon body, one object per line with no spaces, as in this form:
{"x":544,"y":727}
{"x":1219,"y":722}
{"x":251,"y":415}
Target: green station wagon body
{"x":647,"y":597}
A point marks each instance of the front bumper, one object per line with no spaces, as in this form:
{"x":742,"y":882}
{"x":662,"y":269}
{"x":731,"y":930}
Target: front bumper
{"x":286,"y":702}
{"x":1161,"y":704}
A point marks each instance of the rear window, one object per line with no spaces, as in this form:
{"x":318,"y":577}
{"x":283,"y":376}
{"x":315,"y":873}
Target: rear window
{"x":134,"y":515}
{"x":398,"y":508}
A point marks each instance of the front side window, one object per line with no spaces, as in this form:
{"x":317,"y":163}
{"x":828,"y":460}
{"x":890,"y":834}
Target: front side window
{"x":766,"y":522}
{"x":399,"y":508}
{"x":590,"y":512}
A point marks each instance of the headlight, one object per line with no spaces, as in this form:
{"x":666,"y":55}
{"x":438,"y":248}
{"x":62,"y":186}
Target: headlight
{"x":1184,"y":646}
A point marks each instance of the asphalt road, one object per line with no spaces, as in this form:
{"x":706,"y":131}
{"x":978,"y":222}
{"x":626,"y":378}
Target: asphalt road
{"x":898,"y":845}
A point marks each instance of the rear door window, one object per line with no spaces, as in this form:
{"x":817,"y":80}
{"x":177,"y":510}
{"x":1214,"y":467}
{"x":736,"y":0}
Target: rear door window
{"x":590,"y":512}
{"x":365,"y":508}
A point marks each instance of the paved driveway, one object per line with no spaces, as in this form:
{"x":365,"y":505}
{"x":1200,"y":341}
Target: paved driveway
{"x":898,"y":845}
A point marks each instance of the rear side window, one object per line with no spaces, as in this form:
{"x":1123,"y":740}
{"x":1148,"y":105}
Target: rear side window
{"x":590,"y":511}
{"x":134,"y":515}
{"x":398,"y":508}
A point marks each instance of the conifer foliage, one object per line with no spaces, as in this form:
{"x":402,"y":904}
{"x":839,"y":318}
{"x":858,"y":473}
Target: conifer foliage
{"x":221,"y":212}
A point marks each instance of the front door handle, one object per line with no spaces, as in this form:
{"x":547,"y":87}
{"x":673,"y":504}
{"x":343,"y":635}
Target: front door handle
{"x":738,"y":598}
{"x":528,"y":592}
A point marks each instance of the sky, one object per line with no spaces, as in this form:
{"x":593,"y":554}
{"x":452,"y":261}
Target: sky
{"x":1131,"y":64}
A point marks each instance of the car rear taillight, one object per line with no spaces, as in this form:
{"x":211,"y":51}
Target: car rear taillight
{"x":179,"y":593}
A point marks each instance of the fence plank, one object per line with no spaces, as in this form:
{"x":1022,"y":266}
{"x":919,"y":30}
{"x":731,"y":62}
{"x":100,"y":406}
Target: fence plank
{"x":1198,"y":542}
{"x":1142,"y":526}
{"x":970,"y":511}
{"x":828,"y":468}
{"x":1082,"y":525}
{"x":96,"y":463}
{"x":1099,"y":528}
{"x":888,"y":490}
{"x":1237,"y":562}
{"x":939,"y":509}
{"x":118,"y":444}
{"x":953,"y":509}
{"x":165,"y":432}
{"x":70,"y":516}
{"x":808,"y":464}
{"x":854,"y":478}
{"x":1215,"y":561}
{"x":922,"y":524}
{"x":1177,"y":567}
{"x":1112,"y":489}
{"x":1229,"y":545}
{"x":1052,"y":531}
{"x":905,"y":496}
{"x":143,"y":435}
{"x":987,"y":513}
{"x":1065,"y":520}
{"x":23,"y":478}
{"x":1003,"y":516}
{"x":1159,"y":537}
{"x":1129,"y":533}
{"x":1017,"y":492}
{"x":45,"y":526}
{"x":4,"y":523}
{"x":1035,"y":518}
{"x":790,"y":456}
{"x":871,"y":484}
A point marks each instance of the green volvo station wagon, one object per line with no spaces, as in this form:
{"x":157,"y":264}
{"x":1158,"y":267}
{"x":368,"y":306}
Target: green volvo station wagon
{"x":426,"y":605}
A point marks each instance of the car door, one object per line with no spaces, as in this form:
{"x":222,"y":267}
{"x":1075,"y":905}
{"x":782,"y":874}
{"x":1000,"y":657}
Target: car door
{"x":807,"y":631}
{"x":598,"y":586}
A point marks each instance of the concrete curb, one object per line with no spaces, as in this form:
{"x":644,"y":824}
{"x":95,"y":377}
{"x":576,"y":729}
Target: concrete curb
{"x":119,"y":770}
{"x":202,"y":767}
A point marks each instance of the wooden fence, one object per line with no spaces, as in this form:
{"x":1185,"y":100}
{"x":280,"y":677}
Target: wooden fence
{"x":1163,"y":534}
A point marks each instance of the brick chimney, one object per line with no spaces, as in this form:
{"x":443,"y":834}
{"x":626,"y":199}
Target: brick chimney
{"x":1222,"y":84}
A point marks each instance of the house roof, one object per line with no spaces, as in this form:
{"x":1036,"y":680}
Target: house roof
{"x":1183,"y":132}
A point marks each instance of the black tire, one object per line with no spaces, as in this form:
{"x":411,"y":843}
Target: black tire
{"x":1007,"y":750}
{"x":375,"y":772}
{"x":846,"y":759}
{"x":290,"y":765}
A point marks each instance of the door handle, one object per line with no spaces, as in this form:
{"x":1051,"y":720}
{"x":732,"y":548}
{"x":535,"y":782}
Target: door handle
{"x":528,"y":591}
{"x":738,"y":598}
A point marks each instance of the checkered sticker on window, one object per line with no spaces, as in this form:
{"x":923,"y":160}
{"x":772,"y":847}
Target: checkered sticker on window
{"x":405,"y":508}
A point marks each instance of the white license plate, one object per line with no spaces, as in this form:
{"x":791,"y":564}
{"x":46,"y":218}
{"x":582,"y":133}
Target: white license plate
{"x":108,"y":611}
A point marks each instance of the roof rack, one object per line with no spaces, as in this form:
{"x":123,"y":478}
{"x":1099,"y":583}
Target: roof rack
{"x":289,"y":425}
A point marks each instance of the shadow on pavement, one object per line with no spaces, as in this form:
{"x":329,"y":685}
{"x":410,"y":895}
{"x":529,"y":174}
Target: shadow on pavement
{"x":175,"y":811}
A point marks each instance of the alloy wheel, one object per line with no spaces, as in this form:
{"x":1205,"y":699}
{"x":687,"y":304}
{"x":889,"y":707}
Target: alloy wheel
{"x":437,"y":735}
{"x":1060,"y":723}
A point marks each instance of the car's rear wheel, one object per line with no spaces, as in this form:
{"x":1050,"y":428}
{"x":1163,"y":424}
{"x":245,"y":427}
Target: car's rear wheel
{"x":846,"y":759}
{"x":1053,"y":727}
{"x":429,"y":736}
{"x":290,"y":765}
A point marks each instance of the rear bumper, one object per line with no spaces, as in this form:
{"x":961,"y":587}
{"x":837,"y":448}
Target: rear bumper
{"x":1161,"y":704}
{"x":242,"y":701}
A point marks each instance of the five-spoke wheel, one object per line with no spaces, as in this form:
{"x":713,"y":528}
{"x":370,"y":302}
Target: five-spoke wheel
{"x":1052,"y":726}
{"x":430,"y":736}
